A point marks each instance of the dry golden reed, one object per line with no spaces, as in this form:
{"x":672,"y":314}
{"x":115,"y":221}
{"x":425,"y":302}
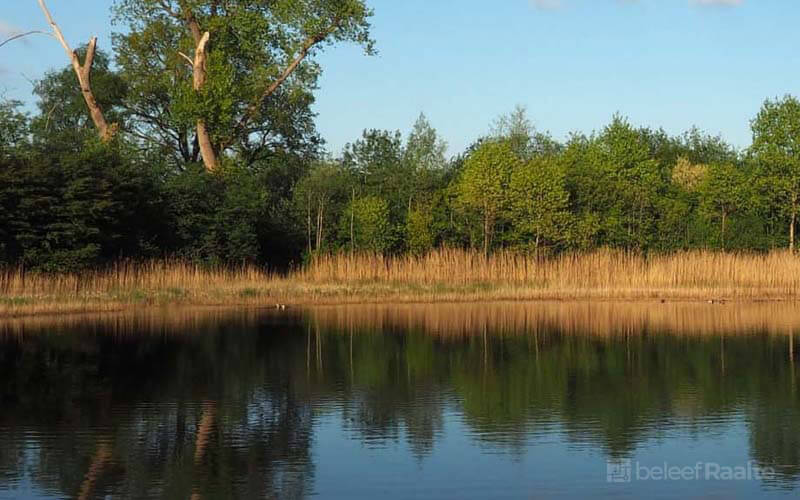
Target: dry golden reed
{"x":445,"y":275}
{"x":777,"y":272}
{"x":127,"y":276}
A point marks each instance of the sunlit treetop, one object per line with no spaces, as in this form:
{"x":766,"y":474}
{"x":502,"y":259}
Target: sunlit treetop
{"x":260,"y":68}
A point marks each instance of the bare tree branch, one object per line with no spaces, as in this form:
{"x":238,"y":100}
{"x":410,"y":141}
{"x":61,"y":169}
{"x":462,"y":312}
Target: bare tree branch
{"x":83,"y":72}
{"x":21,"y":35}
{"x":255,"y":107}
{"x":191,"y":62}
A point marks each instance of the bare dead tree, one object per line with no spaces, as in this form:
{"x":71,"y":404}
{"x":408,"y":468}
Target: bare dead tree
{"x":83,"y":72}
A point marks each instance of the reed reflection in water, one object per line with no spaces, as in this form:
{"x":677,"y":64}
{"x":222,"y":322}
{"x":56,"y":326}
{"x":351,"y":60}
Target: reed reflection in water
{"x":491,"y":400}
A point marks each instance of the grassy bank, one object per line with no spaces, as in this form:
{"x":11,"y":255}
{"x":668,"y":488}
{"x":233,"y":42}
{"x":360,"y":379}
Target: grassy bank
{"x":442,"y":276}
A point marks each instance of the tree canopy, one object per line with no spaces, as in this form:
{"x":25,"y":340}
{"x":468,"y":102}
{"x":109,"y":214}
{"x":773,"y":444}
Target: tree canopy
{"x":216,"y":158}
{"x":238,"y":74}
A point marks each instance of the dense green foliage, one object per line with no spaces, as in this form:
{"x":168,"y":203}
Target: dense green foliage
{"x":68,"y":201}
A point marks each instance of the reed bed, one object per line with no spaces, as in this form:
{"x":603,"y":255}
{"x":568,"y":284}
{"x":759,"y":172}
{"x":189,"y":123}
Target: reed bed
{"x":600,"y":270}
{"x":445,"y":275}
{"x":128,"y":276}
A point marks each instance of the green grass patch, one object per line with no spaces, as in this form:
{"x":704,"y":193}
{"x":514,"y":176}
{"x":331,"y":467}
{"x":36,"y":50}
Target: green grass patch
{"x":249,"y":293}
{"x":16,"y":301}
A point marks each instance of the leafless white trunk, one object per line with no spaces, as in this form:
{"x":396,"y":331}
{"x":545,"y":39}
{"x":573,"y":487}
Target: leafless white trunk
{"x":84,"y":73}
{"x":200,"y":77}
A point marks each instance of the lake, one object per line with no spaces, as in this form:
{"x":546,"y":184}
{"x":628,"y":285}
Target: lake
{"x":508,"y":400}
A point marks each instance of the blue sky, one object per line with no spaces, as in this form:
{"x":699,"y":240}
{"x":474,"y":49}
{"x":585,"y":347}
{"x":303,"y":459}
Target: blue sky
{"x":572,"y":63}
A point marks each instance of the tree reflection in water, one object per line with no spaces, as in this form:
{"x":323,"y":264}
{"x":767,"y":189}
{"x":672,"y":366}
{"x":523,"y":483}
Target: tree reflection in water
{"x":215,"y":404}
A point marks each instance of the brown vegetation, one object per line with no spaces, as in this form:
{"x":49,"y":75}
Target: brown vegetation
{"x":441,"y":276}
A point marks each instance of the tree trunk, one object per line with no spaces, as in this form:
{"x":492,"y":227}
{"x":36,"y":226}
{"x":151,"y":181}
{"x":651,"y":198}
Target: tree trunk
{"x":352,"y":224}
{"x":722,"y":231}
{"x":686,"y":244}
{"x":320,"y":219}
{"x":200,"y":76}
{"x":84,"y":74}
{"x":308,"y":224}
{"x":486,"y":235}
{"x":793,"y":223}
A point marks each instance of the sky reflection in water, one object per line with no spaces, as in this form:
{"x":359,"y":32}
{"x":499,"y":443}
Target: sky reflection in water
{"x":460,"y":401}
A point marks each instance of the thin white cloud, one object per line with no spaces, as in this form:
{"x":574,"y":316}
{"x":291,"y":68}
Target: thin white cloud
{"x":717,"y":3}
{"x":8,"y":30}
{"x":557,"y":4}
{"x":547,"y":4}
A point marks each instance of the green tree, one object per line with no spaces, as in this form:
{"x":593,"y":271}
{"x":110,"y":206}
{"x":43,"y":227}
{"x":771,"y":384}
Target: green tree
{"x":776,"y":148}
{"x":250,"y":68}
{"x":376,"y":160}
{"x":371,"y":228}
{"x":616,"y":176}
{"x":517,"y":128}
{"x":218,"y":219}
{"x":319,"y":197}
{"x":724,"y":192}
{"x":483,"y":185}
{"x":420,"y":236}
{"x":680,"y":207}
{"x":13,"y":127}
{"x":67,"y":210}
{"x":62,"y":109}
{"x":539,"y":201}
{"x":424,"y":156}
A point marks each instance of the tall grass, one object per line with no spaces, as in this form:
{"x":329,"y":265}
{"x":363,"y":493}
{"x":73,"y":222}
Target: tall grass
{"x":445,"y":275}
{"x":127,"y":276}
{"x":602,"y":270}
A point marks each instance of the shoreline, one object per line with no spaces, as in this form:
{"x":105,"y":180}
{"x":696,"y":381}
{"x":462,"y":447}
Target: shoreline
{"x":317,"y":295}
{"x":443,"y":276}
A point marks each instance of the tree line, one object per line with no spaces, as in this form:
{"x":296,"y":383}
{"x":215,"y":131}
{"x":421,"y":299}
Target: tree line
{"x":207,"y":150}
{"x":626,"y":187}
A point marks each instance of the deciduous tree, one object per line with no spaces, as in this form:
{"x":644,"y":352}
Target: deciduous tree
{"x":483,"y":185}
{"x":724,"y":192}
{"x":776,"y":148}
{"x":211,"y":77}
{"x":539,"y":202}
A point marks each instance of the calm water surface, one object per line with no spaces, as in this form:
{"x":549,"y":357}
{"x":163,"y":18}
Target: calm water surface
{"x":457,"y":401}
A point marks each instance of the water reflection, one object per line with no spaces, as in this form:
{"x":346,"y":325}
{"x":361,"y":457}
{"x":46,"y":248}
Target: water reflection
{"x":453,"y":400}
